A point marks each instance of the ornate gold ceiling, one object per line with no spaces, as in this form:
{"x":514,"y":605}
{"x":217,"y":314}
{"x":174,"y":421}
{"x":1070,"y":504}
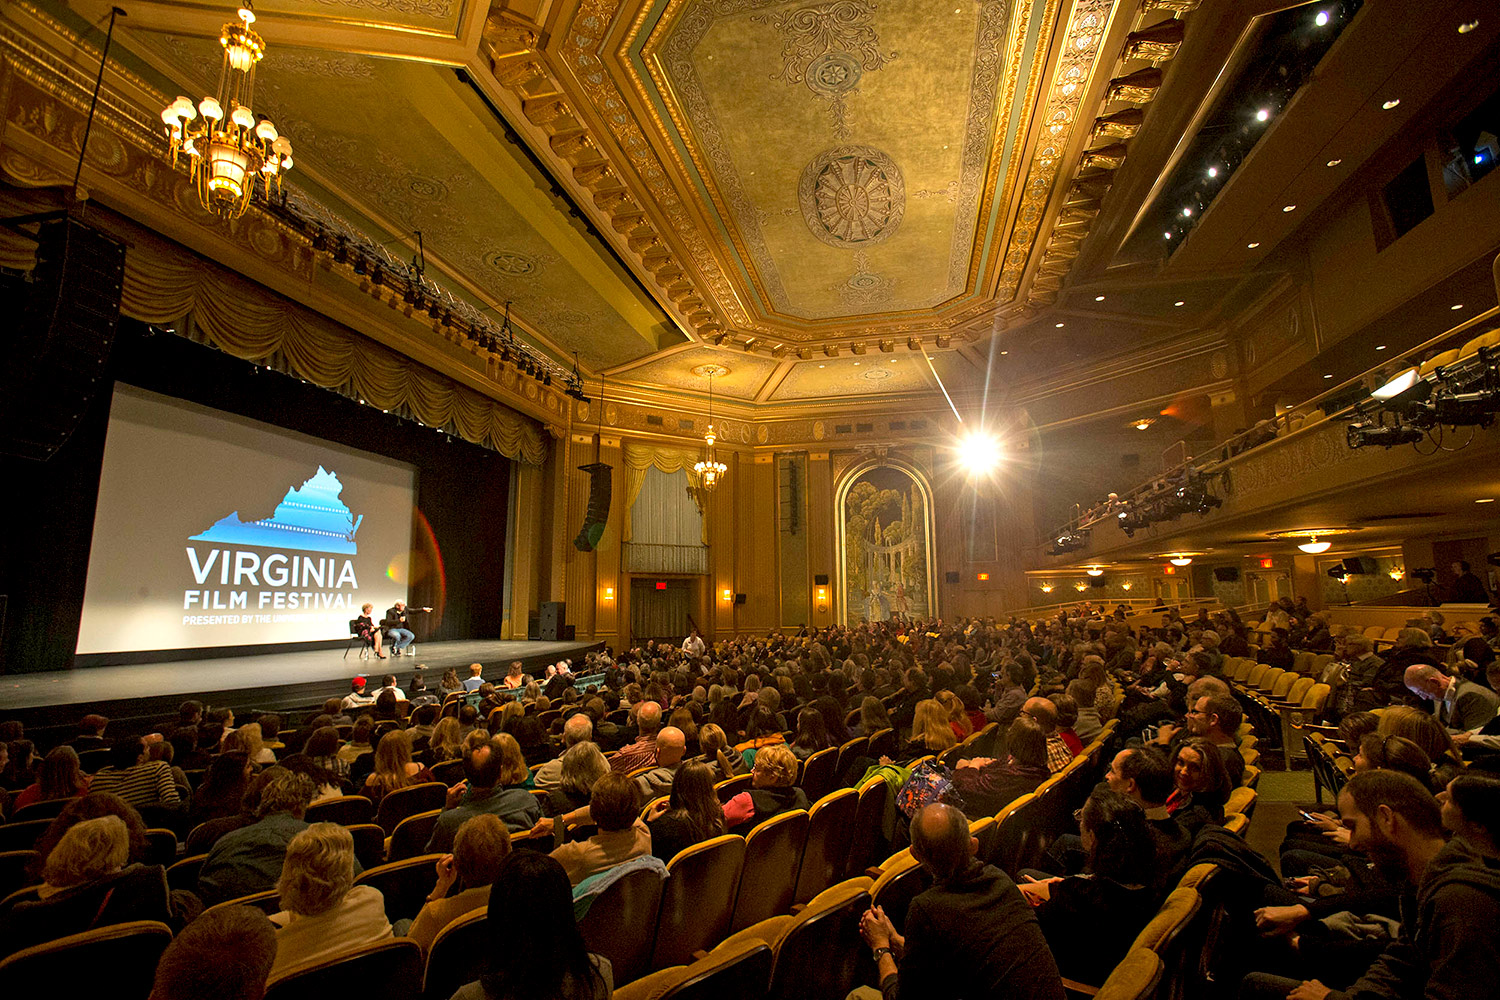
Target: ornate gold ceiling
{"x":830,"y":189}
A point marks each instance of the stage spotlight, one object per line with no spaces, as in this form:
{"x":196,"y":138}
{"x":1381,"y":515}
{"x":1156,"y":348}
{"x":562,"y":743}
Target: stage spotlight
{"x":1368,"y":433}
{"x":979,"y":453}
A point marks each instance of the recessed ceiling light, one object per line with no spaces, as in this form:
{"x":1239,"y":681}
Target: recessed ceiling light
{"x":1251,"y":246}
{"x":1059,"y":325}
{"x":893,"y":361}
{"x":1467,"y":26}
{"x":1485,"y":500}
{"x":1327,"y":375}
{"x":1180,"y":302}
{"x":1321,"y":19}
{"x":856,"y":364}
{"x":1379,"y":347}
{"x":822,"y":366}
{"x":1289,"y":208}
{"x":1098,"y":298}
{"x":1166,"y":236}
{"x":1388,"y":105}
{"x":1456,"y":306}
{"x":1213,"y":171}
{"x":1335,"y":162}
{"x":1264,"y":114}
{"x":1004,"y":353}
{"x":1187,"y":211}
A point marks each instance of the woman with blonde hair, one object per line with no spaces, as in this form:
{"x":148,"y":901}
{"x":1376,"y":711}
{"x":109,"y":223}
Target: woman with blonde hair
{"x":247,"y":739}
{"x":325,"y":914}
{"x":930,"y":731}
{"x":772,"y":790}
{"x":958,"y":716}
{"x":446,"y":742}
{"x":872,"y":716}
{"x":1421,"y":728}
{"x":394,"y":767}
{"x":88,"y":882}
{"x":714,"y":744}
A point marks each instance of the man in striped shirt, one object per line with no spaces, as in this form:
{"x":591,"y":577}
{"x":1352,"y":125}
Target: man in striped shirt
{"x":135,"y":779}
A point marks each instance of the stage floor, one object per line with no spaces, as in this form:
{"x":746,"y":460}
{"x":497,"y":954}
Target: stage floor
{"x":270,"y":682}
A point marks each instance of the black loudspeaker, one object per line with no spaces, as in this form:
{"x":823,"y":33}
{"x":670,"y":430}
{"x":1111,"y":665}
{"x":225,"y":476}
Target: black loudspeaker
{"x":951,"y":577}
{"x":1361,"y":566}
{"x":1226,"y":574}
{"x":61,"y":340}
{"x":551,"y":626}
{"x":739,"y":598}
{"x":598,"y":513}
{"x":820,"y":579}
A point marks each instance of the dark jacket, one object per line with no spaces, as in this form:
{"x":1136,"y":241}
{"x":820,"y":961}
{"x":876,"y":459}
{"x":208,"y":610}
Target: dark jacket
{"x":988,"y":789}
{"x":138,"y":892}
{"x":1090,"y":922}
{"x":975,"y":937}
{"x":1446,"y":948}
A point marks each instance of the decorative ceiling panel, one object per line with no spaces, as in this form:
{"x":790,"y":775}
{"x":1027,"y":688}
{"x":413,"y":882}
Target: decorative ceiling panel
{"x":877,"y":373}
{"x":737,"y":375}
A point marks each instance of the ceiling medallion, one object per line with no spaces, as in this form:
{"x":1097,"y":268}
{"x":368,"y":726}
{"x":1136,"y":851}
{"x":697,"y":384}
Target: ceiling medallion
{"x":875,"y":374}
{"x":510,"y":262}
{"x":711,"y":371}
{"x":852,"y":196}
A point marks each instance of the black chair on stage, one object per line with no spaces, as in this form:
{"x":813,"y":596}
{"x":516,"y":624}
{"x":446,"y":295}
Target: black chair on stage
{"x":365,"y":639}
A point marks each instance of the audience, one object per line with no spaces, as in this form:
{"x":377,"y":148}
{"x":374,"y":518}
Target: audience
{"x":324,"y":914}
{"x":494,"y":771}
{"x":479,"y":847}
{"x":772,"y":790}
{"x":135,"y":778}
{"x":248,"y":860}
{"x":59,"y":777}
{"x":614,"y":807}
{"x":225,"y":954}
{"x":556,"y":964}
{"x":691,"y":815}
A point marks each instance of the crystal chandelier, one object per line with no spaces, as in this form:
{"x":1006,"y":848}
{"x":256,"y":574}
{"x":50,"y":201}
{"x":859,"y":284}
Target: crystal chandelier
{"x":709,"y":469}
{"x":228,"y":156}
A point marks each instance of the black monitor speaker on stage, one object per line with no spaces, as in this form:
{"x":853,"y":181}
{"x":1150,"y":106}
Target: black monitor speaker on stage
{"x":552,"y":625}
{"x":61,"y":339}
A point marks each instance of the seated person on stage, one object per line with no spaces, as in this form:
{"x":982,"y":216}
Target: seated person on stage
{"x":395,"y":625}
{"x":971,"y":935}
{"x":493,"y":773}
{"x":365,"y":627}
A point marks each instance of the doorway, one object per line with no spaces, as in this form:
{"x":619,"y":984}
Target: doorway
{"x":1268,"y":587}
{"x":659,"y":609}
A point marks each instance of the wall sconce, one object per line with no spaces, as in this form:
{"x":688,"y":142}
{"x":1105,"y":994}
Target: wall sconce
{"x":1126,"y":585}
{"x":609,"y":593}
{"x":822,"y":593}
{"x":1046,"y":588}
{"x":1080,"y":586}
{"x":983,"y":577}
{"x":726,"y":594}
{"x":1398,"y":573}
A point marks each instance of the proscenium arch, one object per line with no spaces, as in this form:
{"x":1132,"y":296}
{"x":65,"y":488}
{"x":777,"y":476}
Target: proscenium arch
{"x":846,"y":482}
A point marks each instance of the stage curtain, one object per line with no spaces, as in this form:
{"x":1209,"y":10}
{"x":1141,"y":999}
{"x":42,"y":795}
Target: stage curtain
{"x":640,"y":457}
{"x":209,"y":304}
{"x":666,"y":528}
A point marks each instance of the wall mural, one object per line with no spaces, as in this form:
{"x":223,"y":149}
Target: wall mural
{"x":885,"y":536}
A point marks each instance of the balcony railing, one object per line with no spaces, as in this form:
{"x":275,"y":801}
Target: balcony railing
{"x":649,"y":557}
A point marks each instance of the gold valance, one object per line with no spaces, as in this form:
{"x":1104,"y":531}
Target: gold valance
{"x":639,"y":457}
{"x":165,"y":284}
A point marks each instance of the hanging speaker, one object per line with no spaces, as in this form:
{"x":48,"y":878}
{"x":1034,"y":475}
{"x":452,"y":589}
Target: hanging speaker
{"x":598,"y":513}
{"x":61,"y":340}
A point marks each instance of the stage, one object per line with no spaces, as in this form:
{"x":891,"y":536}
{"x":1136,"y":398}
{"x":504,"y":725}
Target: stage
{"x":136,"y":695}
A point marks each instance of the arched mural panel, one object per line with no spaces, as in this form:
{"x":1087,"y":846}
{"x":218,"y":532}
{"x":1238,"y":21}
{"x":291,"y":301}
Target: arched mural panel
{"x":885,"y":535}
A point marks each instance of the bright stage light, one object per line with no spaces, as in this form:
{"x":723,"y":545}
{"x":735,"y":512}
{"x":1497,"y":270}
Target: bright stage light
{"x":979,"y":453}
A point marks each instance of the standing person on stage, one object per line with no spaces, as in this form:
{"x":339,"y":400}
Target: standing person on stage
{"x":365,"y":626}
{"x":395,"y":627}
{"x":693,"y":644}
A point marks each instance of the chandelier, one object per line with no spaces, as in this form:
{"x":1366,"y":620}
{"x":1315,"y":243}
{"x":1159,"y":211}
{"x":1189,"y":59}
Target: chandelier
{"x":229,"y":155}
{"x":708,"y":469}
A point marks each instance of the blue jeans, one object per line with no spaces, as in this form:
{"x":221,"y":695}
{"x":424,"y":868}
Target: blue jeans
{"x":400,"y":638}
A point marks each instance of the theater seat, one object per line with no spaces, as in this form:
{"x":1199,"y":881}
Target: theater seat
{"x":901,"y":881}
{"x":118,"y":961}
{"x":388,"y":970}
{"x":268,"y":902}
{"x":404,"y":884}
{"x":818,"y":952}
{"x":346,"y":810}
{"x":828,"y":838}
{"x":768,"y":880}
{"x":621,"y":924}
{"x":1135,"y":978}
{"x":184,"y":874}
{"x":818,"y":774}
{"x":369,"y":844}
{"x":697,"y":900}
{"x":411,"y":835}
{"x":868,"y":844}
{"x":403,"y":802}
{"x":457,"y":955}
